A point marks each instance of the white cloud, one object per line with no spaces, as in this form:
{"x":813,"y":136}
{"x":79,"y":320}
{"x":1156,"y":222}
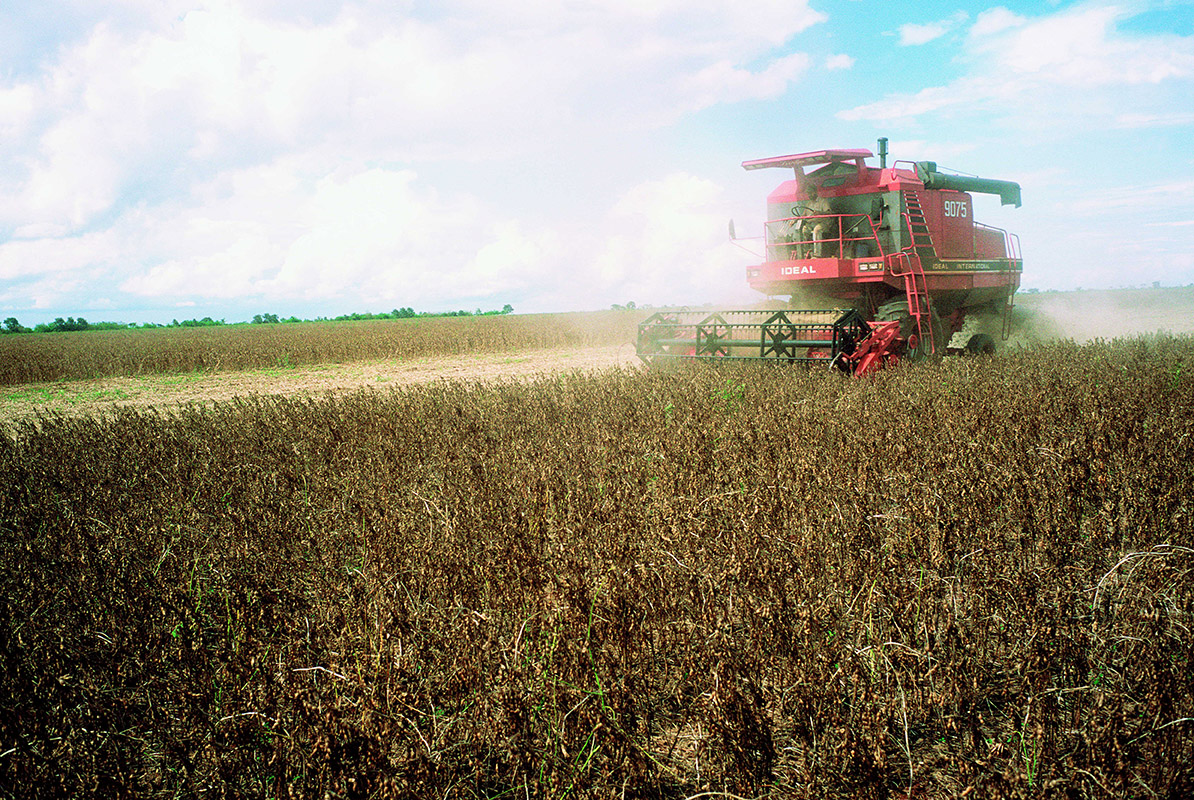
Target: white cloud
{"x":995,"y":20}
{"x":723,"y":82}
{"x":368,"y":237}
{"x":1029,"y":66}
{"x":261,"y":151}
{"x":912,"y":33}
{"x":839,"y":61}
{"x":280,"y":230}
{"x":1082,"y":48}
{"x":668,"y":245}
{"x":56,"y":258}
{"x":1154,"y":120}
{"x":512,"y":259}
{"x":669,"y":24}
{"x":897,"y":107}
{"x":17,"y":106}
{"x":363,"y":155}
{"x":359,"y":236}
{"x":1172,"y":195}
{"x":226,"y":82}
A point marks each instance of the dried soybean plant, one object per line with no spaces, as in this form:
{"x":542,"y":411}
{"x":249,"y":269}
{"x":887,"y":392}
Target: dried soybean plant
{"x":970,"y":577}
{"x":29,"y":358}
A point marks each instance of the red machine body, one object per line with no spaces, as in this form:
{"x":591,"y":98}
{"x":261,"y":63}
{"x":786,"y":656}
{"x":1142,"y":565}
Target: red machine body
{"x":876,"y":223}
{"x":898,"y":247}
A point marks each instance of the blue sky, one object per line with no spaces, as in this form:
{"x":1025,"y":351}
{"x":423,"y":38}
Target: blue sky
{"x":183,"y":159}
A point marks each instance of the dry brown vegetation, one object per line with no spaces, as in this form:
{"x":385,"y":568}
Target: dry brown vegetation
{"x":89,"y":355}
{"x":970,"y":578}
{"x":30,"y":358}
{"x":166,"y":391}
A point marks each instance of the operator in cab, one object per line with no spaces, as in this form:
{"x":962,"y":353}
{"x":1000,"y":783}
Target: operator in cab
{"x":820,"y":229}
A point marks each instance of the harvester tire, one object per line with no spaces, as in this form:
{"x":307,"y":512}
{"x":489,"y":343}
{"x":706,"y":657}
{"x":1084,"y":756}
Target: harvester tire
{"x":980,"y":344}
{"x":897,"y":309}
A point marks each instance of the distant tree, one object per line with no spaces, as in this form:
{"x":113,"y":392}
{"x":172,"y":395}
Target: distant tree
{"x":507,"y":309}
{"x":60,"y":325}
{"x":11,"y":325}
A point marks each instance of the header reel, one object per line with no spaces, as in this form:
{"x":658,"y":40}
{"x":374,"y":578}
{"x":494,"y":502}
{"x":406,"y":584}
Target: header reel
{"x":829,"y":337}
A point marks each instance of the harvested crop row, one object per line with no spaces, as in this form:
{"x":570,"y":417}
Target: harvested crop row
{"x":753,"y":580}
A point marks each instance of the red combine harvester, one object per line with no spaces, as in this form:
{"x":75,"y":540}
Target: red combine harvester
{"x":897,"y":246}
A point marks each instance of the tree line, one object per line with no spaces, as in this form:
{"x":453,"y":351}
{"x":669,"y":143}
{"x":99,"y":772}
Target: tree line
{"x":59,"y":325}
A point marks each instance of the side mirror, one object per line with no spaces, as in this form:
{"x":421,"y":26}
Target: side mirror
{"x":732,"y":236}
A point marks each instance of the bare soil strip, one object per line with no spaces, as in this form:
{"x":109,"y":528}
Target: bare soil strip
{"x":91,"y":396}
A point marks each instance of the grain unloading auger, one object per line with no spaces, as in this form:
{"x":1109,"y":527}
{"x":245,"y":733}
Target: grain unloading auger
{"x":896,"y":249}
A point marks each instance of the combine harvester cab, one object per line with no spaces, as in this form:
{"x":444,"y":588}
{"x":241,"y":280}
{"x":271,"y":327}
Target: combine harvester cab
{"x":896,"y":249}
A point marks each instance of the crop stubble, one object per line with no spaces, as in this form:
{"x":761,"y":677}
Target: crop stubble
{"x":967,"y":576}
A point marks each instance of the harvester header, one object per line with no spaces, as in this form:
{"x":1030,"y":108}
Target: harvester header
{"x":897,"y":249}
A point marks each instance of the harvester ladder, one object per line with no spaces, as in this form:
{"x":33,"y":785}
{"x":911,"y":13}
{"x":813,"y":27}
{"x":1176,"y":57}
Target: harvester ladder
{"x":1007,"y":308}
{"x":909,"y":265}
{"x":1009,"y":275}
{"x":906,"y":264}
{"x":918,"y":226}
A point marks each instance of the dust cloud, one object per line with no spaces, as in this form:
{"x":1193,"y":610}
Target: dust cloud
{"x":1080,"y":315}
{"x":1085,"y":315}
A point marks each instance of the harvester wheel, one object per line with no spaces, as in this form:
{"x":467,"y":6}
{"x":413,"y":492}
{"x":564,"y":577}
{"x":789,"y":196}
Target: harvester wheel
{"x":980,"y":344}
{"x":897,"y":309}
